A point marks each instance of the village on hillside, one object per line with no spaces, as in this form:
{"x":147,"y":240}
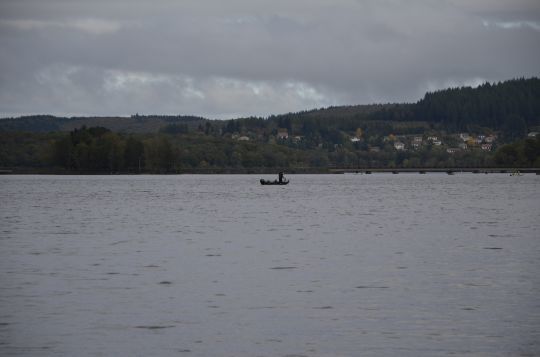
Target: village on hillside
{"x":452,"y":143}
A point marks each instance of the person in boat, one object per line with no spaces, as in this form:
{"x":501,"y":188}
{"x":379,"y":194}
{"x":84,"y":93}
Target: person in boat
{"x":280,"y":177}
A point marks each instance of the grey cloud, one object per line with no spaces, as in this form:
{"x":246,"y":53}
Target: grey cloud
{"x":243,"y":57}
{"x":509,"y":25}
{"x":92,"y":26}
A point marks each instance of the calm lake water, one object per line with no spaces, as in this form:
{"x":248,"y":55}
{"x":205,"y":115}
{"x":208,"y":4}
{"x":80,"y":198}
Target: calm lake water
{"x":330,"y":265}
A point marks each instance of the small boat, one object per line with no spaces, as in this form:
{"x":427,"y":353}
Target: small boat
{"x":516,"y":173}
{"x":275,"y":182}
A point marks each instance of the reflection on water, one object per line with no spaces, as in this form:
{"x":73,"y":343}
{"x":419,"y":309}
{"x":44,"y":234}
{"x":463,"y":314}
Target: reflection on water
{"x":337,"y":265}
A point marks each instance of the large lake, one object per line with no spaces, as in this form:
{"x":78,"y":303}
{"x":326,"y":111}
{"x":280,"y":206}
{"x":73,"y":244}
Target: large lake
{"x":330,"y":265}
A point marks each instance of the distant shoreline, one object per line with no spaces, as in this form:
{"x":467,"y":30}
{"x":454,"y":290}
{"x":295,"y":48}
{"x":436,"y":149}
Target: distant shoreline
{"x":274,"y":171}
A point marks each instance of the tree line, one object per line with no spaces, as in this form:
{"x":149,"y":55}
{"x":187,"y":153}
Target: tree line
{"x":98,"y":150}
{"x":521,"y":153}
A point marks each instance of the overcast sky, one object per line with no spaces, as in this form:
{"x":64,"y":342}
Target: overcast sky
{"x":230,"y":58}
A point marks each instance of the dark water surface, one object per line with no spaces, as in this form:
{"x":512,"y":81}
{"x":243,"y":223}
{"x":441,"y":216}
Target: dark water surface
{"x":335,"y":265}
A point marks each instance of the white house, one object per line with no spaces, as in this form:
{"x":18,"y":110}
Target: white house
{"x":486,"y":147}
{"x":464,"y":136}
{"x":399,"y":146}
{"x":282,"y":133}
{"x":533,"y":134}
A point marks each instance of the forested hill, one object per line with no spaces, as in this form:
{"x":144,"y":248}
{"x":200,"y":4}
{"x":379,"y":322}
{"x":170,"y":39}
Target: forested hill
{"x":512,"y":107}
{"x":499,"y":106}
{"x":133,"y":124}
{"x":490,"y":105}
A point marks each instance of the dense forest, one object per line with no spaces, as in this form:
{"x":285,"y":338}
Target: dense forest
{"x":491,"y":125}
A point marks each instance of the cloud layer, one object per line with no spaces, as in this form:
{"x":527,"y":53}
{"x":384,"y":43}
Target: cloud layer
{"x":253,"y":57}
